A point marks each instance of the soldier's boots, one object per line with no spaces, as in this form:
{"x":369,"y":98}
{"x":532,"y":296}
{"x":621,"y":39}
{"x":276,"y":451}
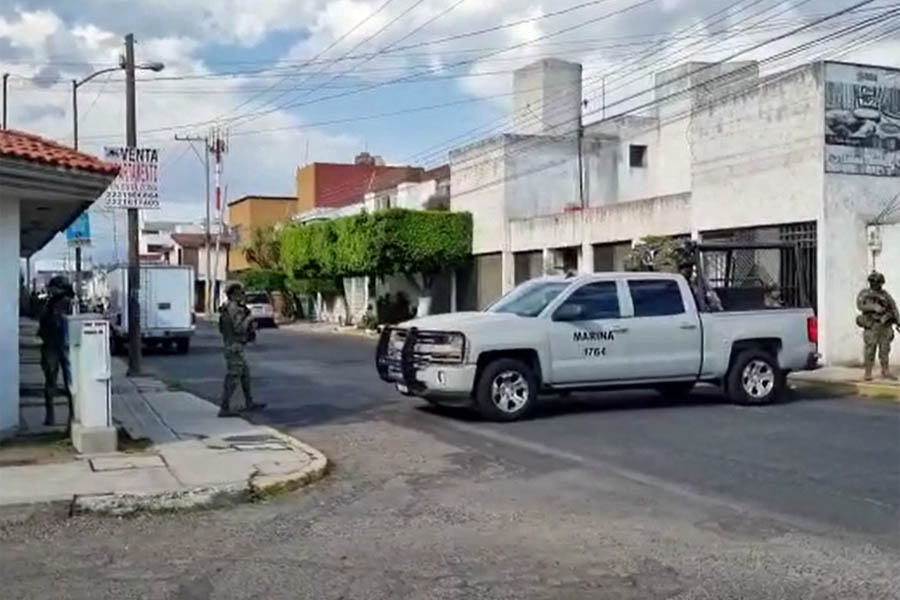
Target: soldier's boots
{"x":253,"y":406}
{"x":886,"y":374}
{"x":49,"y":414}
{"x":868,"y":374}
{"x":226,"y":411}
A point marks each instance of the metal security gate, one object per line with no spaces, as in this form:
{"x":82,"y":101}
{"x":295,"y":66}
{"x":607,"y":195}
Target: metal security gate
{"x":764,"y":266}
{"x":804,"y":236}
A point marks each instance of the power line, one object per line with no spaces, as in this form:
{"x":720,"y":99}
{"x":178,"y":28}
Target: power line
{"x":785,"y":54}
{"x":387,"y":47}
{"x":707,"y":21}
{"x":324,"y":51}
{"x":389,"y":82}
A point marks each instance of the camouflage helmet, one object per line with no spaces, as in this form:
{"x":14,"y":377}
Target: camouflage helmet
{"x":233,"y":289}
{"x":876,"y":277}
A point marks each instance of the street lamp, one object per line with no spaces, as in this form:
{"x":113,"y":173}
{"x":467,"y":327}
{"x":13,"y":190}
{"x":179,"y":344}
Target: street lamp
{"x":127,"y":64}
{"x":156,"y":67}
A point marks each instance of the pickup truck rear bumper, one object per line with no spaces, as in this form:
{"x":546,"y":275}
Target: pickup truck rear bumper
{"x":812,"y":362}
{"x":419,"y":378}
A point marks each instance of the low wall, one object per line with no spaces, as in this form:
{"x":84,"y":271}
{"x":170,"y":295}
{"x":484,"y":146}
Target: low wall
{"x":663,"y":215}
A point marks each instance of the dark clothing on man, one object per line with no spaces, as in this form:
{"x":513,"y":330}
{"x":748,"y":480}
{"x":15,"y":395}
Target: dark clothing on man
{"x":54,"y":357}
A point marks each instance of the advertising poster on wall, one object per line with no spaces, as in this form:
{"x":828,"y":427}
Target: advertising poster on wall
{"x":862,"y":120}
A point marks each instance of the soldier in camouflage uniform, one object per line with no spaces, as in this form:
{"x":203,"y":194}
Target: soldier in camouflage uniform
{"x":237,"y":328}
{"x":878,"y":319}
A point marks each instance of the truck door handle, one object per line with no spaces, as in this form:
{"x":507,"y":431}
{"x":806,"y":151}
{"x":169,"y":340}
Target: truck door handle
{"x":618,"y":329}
{"x":688,"y":326}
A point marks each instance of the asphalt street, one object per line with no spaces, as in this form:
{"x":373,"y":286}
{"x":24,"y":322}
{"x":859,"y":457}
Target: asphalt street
{"x":616,"y":495}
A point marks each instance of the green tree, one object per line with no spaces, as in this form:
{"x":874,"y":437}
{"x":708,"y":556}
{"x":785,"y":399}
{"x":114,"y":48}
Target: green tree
{"x":417,"y":244}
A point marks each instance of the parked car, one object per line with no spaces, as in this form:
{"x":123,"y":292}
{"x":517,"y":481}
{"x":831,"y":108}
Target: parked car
{"x":609,"y":330}
{"x":261,"y":308}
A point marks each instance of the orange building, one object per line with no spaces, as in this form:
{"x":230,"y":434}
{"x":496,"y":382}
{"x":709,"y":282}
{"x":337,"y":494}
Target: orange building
{"x":249,"y":213}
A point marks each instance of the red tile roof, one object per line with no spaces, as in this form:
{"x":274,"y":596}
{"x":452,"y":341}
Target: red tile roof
{"x":33,"y":148}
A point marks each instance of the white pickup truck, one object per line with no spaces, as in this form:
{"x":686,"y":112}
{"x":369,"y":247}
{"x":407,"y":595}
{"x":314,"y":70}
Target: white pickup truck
{"x":609,"y":330}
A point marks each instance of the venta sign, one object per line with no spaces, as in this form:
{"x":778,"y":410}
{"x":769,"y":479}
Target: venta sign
{"x":137,"y":185}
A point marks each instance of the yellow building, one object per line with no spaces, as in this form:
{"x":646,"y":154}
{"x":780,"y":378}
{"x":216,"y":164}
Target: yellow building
{"x":249,"y":213}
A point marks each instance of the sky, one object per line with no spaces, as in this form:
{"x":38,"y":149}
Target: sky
{"x":297,"y":81}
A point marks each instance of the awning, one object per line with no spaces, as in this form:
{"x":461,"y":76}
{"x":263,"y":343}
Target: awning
{"x":54,"y":184}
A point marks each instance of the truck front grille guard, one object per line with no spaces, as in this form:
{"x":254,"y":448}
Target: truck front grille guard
{"x":381,"y":354}
{"x":407,"y":361}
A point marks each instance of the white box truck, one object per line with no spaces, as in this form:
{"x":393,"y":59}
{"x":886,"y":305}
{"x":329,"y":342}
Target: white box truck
{"x":167,"y":306}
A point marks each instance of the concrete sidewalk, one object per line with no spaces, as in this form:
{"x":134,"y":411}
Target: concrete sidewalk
{"x":316,"y":327}
{"x":846,"y":380}
{"x":196,"y":459}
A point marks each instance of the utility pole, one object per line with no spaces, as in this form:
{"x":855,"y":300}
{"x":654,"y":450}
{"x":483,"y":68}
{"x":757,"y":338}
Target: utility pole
{"x":580,"y":140}
{"x":75,"y":114}
{"x":587,"y":249}
{"x":134,"y":267}
{"x":218,"y":148}
{"x":78,"y":247}
{"x":207,"y":296}
{"x":5,"y":91}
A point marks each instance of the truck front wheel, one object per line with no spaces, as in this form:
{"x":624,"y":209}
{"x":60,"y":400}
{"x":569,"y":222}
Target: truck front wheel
{"x":755,"y":378}
{"x":506,"y":390}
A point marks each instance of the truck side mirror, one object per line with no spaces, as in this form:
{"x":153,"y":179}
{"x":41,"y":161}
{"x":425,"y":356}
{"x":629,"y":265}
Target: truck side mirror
{"x":569,"y":312}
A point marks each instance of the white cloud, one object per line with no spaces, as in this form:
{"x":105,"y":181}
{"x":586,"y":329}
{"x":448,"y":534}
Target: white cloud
{"x":59,"y":42}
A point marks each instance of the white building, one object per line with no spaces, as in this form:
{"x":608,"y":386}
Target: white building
{"x":811,"y":155}
{"x":44,"y":186}
{"x":180,"y":243}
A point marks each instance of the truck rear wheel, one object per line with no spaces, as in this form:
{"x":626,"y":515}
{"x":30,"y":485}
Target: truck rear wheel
{"x":754,"y":378}
{"x":182,"y":345}
{"x":506,"y":390}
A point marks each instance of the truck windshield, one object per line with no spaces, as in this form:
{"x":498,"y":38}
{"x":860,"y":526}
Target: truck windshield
{"x":257,"y":298}
{"x":529,"y":299}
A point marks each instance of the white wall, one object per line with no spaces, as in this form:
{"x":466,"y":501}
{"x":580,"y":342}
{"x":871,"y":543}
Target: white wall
{"x":886,"y":261}
{"x":9,"y":313}
{"x":513,"y":177}
{"x":758,"y":157}
{"x":477,"y":172}
{"x":547,"y":97}
{"x":611,"y":178}
{"x":844,"y":260}
{"x":667,"y":215}
{"x":542,"y":175}
{"x":222,"y":273}
{"x":414,"y":196}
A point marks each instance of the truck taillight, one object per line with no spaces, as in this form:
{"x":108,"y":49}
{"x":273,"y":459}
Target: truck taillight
{"x":812,"y":330}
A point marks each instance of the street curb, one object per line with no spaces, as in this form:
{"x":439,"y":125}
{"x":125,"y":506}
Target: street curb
{"x":264,"y":486}
{"x":882,"y":391}
{"x":257,"y":488}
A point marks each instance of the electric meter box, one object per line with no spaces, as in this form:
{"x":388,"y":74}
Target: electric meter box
{"x":91,"y":375}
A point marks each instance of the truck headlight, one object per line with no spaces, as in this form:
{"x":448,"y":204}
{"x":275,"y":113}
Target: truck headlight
{"x":441,"y":347}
